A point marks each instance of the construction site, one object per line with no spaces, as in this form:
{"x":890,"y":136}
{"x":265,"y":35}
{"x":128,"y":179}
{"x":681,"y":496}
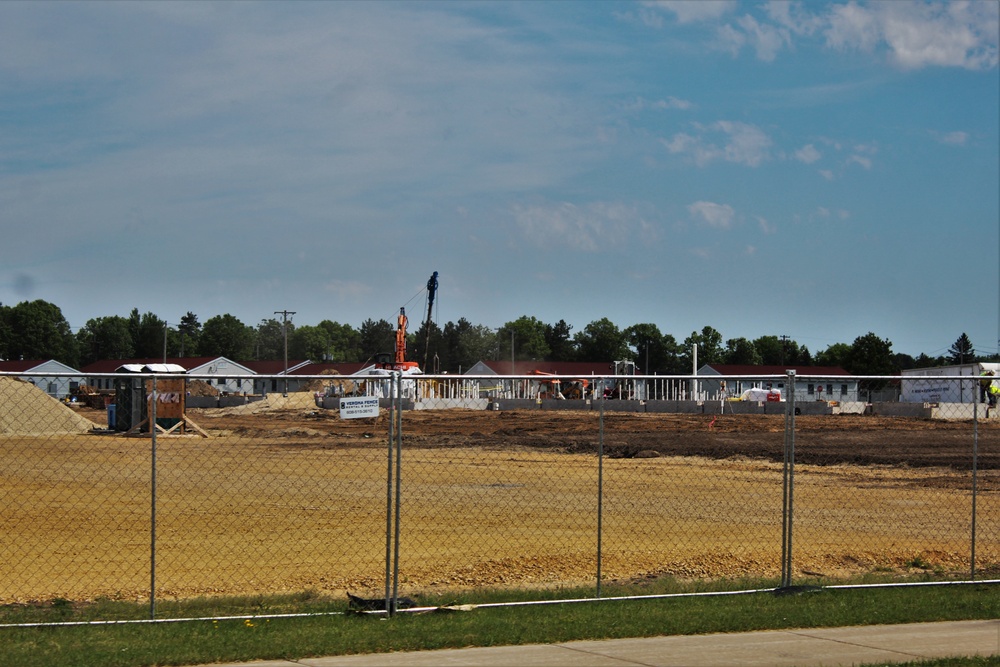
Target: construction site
{"x":280,"y":495}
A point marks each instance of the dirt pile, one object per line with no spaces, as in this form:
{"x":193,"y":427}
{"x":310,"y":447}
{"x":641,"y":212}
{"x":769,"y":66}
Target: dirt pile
{"x":338,"y":387}
{"x":274,"y":402}
{"x":27,"y":410}
{"x":201,"y":388}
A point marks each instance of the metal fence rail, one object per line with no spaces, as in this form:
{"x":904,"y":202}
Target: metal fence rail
{"x":486,"y":482}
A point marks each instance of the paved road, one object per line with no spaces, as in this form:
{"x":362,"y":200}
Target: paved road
{"x":826,"y":647}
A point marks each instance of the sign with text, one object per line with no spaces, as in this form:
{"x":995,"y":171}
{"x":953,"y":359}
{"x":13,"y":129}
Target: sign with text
{"x":358,"y":407}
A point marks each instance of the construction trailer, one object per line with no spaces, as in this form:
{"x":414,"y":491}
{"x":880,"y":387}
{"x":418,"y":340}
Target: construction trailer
{"x":942,"y":384}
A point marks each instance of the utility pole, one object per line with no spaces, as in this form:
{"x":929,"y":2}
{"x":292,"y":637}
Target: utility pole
{"x":284,"y":330}
{"x":784,"y":344}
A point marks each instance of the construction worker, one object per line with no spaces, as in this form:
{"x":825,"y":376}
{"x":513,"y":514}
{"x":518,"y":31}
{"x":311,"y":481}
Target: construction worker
{"x":985,"y":385}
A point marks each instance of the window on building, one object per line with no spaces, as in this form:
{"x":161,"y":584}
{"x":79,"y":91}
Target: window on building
{"x":843,"y":390}
{"x":810,"y":389}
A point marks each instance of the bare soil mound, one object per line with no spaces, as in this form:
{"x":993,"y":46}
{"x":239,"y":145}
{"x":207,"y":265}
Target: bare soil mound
{"x":27,"y":410}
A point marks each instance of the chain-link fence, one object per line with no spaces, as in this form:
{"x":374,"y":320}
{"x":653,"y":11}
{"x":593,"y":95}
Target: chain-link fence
{"x":158,"y":486}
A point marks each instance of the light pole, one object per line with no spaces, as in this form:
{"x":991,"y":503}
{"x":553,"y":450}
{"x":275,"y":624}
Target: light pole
{"x":284,"y":330}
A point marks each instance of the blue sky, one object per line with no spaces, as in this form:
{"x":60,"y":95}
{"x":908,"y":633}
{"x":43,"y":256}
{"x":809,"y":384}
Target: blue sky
{"x":814,"y":170}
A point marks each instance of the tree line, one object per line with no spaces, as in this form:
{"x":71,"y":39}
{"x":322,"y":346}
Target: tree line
{"x":37,"y":330}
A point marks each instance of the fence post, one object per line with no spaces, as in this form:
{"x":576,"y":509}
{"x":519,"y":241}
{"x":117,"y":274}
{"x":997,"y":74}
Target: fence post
{"x":398,"y":379}
{"x":600,"y":490}
{"x":788,"y":483}
{"x":152,"y":510}
{"x":975,"y":485}
{"x":388,"y":503}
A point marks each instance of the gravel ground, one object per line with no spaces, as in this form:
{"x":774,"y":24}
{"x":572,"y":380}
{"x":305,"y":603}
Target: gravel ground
{"x":287,"y":497}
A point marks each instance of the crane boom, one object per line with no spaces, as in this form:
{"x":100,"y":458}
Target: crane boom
{"x":432,"y":286}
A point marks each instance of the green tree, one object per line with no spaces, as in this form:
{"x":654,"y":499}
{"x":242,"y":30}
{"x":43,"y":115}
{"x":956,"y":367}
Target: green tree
{"x":226,"y":336}
{"x":426,"y":343}
{"x":5,"y":332}
{"x":37,"y":330}
{"x":655,"y":352}
{"x":148,"y":334}
{"x":741,"y":351}
{"x":781,"y":351}
{"x":105,"y":338}
{"x":560,"y":341}
{"x":527,"y":336}
{"x":710,"y":350}
{"x":271,"y":340}
{"x":465,"y":344}
{"x":924,"y":361}
{"x":309,"y":342}
{"x":870,"y":355}
{"x":837,"y":355}
{"x":189,"y":330}
{"x":344,"y":341}
{"x":961,"y":351}
{"x":601,"y":340}
{"x":376,"y":338}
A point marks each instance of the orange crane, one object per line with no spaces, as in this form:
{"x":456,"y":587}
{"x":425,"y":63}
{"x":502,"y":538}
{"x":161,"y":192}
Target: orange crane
{"x":399,"y":362}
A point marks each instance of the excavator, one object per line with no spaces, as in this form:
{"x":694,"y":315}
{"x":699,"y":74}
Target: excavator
{"x":553,"y":387}
{"x":399,"y":362}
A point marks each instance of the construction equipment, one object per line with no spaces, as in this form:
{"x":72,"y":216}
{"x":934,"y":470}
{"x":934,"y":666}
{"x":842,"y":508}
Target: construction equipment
{"x":553,"y":387}
{"x":399,"y":362}
{"x":432,"y":286}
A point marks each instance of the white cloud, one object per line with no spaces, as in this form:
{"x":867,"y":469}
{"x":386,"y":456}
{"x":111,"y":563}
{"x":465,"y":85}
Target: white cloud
{"x":863,"y":155}
{"x":766,"y":39}
{"x":826,"y":214}
{"x":641,"y":104}
{"x":718,"y":216}
{"x":914,"y":33}
{"x":862,"y":160}
{"x":747,"y":143}
{"x":688,"y":11}
{"x":955,"y":138}
{"x":744,"y":144}
{"x":765,"y":226}
{"x":793,"y":16}
{"x":920,"y":34}
{"x":808,"y":154}
{"x":589,"y":228}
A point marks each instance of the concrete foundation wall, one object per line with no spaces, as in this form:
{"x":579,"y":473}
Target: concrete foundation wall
{"x":902,"y":410}
{"x":517,"y":404}
{"x":804,"y":408}
{"x":887,"y":409}
{"x":622,"y":406}
{"x":218,"y":401}
{"x":568,"y":404}
{"x":674,"y":407}
{"x":734,"y":408}
{"x":449,"y":403}
{"x":201,"y":401}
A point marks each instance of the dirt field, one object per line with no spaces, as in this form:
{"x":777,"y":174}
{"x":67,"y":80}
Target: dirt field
{"x":284,"y":496}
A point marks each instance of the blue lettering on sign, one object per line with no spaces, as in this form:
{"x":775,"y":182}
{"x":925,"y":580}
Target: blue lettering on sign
{"x":359,"y":407}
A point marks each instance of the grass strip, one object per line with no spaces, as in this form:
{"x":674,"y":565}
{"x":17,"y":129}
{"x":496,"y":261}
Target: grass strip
{"x":206,"y":641}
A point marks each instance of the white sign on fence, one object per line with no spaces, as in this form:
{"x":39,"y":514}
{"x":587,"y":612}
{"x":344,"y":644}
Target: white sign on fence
{"x":358,"y":407}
